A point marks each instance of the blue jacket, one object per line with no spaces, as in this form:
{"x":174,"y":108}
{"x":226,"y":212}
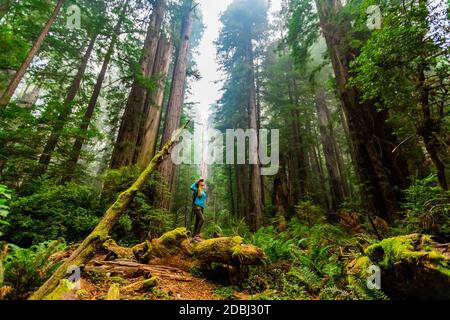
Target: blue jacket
{"x":199,"y":201}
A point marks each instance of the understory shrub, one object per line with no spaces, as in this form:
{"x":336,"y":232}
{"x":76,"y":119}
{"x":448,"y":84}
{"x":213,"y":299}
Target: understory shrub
{"x":69,"y":211}
{"x":427,"y":209}
{"x":25,"y":269}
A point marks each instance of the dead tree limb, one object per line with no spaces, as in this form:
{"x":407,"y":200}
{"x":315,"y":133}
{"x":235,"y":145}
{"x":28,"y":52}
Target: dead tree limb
{"x":97,"y":237}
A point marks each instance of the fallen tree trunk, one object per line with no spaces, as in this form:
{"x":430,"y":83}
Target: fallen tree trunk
{"x":412,"y":267}
{"x":131,"y":269}
{"x":99,"y":235}
{"x":229,"y":251}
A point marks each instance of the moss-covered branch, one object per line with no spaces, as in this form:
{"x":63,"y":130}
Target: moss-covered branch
{"x":99,"y":235}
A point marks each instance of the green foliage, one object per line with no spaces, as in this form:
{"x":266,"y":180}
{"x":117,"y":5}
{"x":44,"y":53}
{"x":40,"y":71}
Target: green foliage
{"x":27,"y":268}
{"x":5,"y":195}
{"x":13,"y":49}
{"x":226,"y":293}
{"x":70,"y":211}
{"x":359,"y":291}
{"x":274,"y":247}
{"x":309,"y":213}
{"x":427,"y":208}
{"x":302,"y":29}
{"x":305,"y":262}
{"x":142,"y":220}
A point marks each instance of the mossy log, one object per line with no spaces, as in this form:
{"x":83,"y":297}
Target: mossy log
{"x":224,"y":250}
{"x":170,"y":243}
{"x":130,"y":269}
{"x":63,"y":289}
{"x":117,"y":252}
{"x":99,"y":235}
{"x":412,"y":267}
{"x":143,"y":285}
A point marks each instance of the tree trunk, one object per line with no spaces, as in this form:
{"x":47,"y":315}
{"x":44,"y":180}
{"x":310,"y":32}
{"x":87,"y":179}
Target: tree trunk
{"x":149,"y":132}
{"x":280,"y":201}
{"x":81,"y":136}
{"x":52,"y":141}
{"x":256,"y":204}
{"x":14,"y":83}
{"x":4,"y":8}
{"x":99,"y":235}
{"x":129,"y":128}
{"x":378,"y":172}
{"x":242,"y":191}
{"x":322,"y":192}
{"x":429,"y":128}
{"x":233,"y":208}
{"x":329,"y":145}
{"x":175,"y":104}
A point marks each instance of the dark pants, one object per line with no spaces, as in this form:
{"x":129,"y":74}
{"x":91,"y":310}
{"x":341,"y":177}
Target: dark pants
{"x":198,"y":219}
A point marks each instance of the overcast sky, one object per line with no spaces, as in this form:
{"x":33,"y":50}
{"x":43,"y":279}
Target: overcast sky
{"x":205,"y":92}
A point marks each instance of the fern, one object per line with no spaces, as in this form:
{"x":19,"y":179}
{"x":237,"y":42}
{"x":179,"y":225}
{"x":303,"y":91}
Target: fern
{"x":5,"y":195}
{"x":359,"y":291}
{"x":26,"y":268}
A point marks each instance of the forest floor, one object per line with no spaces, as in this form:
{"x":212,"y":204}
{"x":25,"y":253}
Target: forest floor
{"x":172,"y":284}
{"x":173,"y":281}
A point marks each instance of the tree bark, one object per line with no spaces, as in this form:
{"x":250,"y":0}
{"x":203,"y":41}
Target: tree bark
{"x":329,"y":145}
{"x":81,"y":136}
{"x":241,"y":172}
{"x":99,"y":235}
{"x":125,"y":145}
{"x":175,"y":105}
{"x":233,"y":208}
{"x":4,"y":7}
{"x":378,"y":172}
{"x":149,"y":132}
{"x":14,"y":83}
{"x":52,"y":141}
{"x":429,"y":128}
{"x":256,"y":204}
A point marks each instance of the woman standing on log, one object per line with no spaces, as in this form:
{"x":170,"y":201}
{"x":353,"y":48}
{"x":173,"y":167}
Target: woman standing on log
{"x":198,"y":204}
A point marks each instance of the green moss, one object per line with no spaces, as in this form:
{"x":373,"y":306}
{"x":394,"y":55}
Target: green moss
{"x":408,"y":248}
{"x":356,"y":269}
{"x":150,"y":283}
{"x":113,"y":292}
{"x":174,"y":237}
{"x":444,"y":270}
{"x":221,"y":248}
{"x":63,"y":287}
{"x":96,"y":276}
{"x":118,"y":251}
{"x":82,"y":294}
{"x":140,"y":249}
{"x":161,"y":294}
{"x":117,"y":279}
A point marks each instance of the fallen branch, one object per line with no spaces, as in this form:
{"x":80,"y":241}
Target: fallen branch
{"x":97,"y":237}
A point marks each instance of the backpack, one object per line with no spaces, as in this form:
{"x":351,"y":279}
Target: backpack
{"x":194,"y":195}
